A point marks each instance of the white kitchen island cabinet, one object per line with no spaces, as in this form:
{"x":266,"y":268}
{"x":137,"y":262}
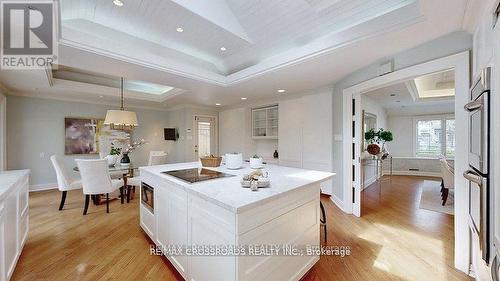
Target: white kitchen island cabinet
{"x":13,"y":219}
{"x":220,"y":213}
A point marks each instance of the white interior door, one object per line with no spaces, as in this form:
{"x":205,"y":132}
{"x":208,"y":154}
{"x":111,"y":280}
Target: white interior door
{"x":357,"y":131}
{"x":205,"y":136}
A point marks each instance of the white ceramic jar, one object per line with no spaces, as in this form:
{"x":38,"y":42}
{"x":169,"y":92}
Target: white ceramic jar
{"x":234,"y":160}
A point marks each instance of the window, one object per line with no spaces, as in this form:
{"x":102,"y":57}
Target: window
{"x":435,"y":137}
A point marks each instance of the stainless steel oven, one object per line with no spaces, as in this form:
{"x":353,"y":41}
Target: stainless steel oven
{"x":478,"y":109}
{"x":147,"y":197}
{"x":477,"y":174}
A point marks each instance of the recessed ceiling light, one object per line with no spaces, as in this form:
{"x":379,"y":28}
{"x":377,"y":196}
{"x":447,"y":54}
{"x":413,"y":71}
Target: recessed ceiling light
{"x":393,"y":95}
{"x":223,"y":48}
{"x":101,"y":97}
{"x":118,"y":3}
{"x":243,"y":98}
{"x":281,"y":91}
{"x":180,"y":29}
{"x":217,"y":104}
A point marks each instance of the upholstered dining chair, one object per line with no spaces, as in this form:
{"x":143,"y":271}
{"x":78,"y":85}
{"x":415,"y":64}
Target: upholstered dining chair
{"x":65,"y":182}
{"x":96,"y":180}
{"x":155,"y":158}
{"x":448,"y":179}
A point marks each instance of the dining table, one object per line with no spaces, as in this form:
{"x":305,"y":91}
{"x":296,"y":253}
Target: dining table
{"x":127,"y":171}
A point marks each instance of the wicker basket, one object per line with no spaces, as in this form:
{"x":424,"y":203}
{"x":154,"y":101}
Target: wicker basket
{"x":211,"y":161}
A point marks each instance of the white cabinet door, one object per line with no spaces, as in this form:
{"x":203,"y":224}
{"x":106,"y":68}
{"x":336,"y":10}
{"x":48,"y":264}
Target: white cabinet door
{"x":317,"y":135}
{"x":10,"y":234}
{"x":22,"y":212}
{"x":290,"y":133}
{"x":162,"y":218}
{"x":3,"y":273}
{"x":177,"y":217}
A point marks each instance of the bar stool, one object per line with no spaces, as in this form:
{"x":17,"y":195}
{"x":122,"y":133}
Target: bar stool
{"x":323,"y":219}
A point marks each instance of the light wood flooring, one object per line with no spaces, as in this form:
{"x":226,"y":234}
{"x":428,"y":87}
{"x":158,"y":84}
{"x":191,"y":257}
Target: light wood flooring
{"x":394,"y":240}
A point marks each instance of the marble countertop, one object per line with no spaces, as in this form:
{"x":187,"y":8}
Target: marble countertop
{"x":228,"y":193}
{"x":8,"y":179}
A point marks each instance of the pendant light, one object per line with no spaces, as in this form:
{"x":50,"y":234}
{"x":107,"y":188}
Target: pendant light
{"x":121,"y":119}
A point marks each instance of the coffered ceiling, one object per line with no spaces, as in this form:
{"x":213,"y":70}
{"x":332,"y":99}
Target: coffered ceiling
{"x":230,"y":49}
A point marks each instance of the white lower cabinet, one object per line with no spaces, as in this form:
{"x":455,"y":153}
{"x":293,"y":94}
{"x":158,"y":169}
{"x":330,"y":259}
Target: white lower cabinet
{"x":13,"y":219}
{"x":171,"y":217}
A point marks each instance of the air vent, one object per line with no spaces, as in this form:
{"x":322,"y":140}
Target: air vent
{"x":414,"y":169}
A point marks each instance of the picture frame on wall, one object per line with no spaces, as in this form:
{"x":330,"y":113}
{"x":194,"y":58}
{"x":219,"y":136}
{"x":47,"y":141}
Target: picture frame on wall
{"x":82,"y":135}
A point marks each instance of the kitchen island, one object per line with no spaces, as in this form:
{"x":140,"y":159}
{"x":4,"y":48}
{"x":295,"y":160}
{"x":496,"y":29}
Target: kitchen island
{"x":217,"y":230}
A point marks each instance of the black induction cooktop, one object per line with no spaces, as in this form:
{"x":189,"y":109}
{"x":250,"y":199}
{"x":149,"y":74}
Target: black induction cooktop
{"x":196,"y":174}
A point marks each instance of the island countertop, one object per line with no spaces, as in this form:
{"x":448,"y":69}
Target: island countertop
{"x":228,"y":193}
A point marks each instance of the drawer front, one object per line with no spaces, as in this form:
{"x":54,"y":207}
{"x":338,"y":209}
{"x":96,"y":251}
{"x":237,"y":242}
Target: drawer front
{"x":147,"y":221}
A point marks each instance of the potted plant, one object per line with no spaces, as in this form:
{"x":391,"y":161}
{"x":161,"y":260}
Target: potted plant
{"x":385,"y":136}
{"x":371,"y":137}
{"x":256,"y":162}
{"x":374,"y":138}
{"x":113,"y":155}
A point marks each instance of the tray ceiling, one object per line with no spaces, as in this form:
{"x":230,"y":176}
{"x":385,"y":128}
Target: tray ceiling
{"x":256,"y":35}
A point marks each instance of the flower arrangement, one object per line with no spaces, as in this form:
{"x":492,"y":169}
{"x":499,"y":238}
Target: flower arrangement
{"x":133,"y":146}
{"x":374,"y":138}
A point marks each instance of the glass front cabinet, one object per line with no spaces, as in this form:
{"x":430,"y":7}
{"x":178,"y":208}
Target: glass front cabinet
{"x":265,"y":122}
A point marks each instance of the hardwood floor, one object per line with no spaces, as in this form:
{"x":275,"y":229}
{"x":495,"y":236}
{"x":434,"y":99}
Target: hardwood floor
{"x":394,"y":240}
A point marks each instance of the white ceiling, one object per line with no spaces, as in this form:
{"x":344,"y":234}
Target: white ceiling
{"x":398,"y":99}
{"x":297,"y":45}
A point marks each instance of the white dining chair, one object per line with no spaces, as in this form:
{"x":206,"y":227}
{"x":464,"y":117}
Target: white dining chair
{"x":448,"y":179}
{"x":96,"y":180}
{"x":155,"y":158}
{"x":65,"y":182}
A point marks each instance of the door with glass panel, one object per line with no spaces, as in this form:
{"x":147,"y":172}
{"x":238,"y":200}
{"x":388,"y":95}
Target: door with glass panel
{"x":204,"y":136}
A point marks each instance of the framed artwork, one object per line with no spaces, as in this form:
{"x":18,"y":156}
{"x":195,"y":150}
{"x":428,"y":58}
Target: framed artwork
{"x":82,"y":135}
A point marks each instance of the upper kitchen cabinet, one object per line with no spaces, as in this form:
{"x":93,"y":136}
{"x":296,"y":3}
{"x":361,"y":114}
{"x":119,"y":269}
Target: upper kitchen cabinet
{"x":265,"y":122}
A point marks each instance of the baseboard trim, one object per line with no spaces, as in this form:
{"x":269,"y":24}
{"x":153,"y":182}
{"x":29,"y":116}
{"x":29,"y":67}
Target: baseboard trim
{"x":42,"y":187}
{"x":369,"y":182}
{"x":413,"y":173}
{"x":337,"y":201}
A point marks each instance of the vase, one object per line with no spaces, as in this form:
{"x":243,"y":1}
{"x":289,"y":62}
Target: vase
{"x":125,"y":160}
{"x":111,"y":159}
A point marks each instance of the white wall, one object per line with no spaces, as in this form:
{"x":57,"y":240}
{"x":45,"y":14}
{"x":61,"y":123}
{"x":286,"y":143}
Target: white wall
{"x":403,"y":132}
{"x":371,"y":105}
{"x":35,"y":131}
{"x":450,"y":44}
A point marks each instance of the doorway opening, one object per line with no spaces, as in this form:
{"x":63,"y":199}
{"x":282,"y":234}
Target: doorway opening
{"x":431,"y":140}
{"x":205,"y":136}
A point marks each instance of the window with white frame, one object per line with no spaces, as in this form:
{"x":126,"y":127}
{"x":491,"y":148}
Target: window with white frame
{"x":435,"y":137}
